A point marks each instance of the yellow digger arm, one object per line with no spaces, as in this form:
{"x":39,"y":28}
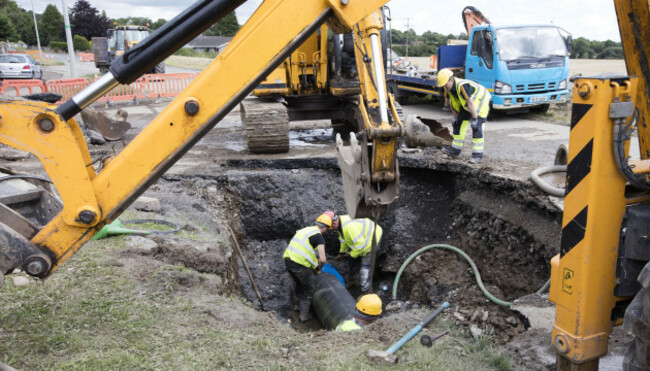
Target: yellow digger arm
{"x":92,"y":199}
{"x":368,"y":162}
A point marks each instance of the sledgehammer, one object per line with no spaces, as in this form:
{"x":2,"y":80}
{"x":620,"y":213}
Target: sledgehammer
{"x":388,"y":356}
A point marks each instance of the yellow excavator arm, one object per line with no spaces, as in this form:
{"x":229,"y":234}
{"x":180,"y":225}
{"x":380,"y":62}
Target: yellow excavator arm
{"x":92,"y":199}
{"x":368,"y":162}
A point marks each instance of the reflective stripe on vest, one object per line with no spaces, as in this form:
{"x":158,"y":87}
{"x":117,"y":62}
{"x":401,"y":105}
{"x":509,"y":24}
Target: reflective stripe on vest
{"x":348,"y":325}
{"x":300,"y":245}
{"x":478,"y":89}
{"x":366,"y":232}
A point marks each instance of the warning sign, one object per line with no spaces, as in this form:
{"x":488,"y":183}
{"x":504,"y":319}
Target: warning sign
{"x":567,"y":281}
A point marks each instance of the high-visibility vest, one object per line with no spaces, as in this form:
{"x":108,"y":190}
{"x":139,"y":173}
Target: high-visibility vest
{"x":357,"y":235}
{"x":480,"y":97}
{"x":300,"y":250}
{"x":348,"y":325}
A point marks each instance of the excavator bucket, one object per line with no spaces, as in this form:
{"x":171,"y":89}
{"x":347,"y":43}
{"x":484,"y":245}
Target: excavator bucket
{"x":363,"y":199}
{"x":110,"y":129}
{"x":423,"y":132}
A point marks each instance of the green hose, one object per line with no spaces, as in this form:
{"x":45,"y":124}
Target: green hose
{"x":461,"y":253}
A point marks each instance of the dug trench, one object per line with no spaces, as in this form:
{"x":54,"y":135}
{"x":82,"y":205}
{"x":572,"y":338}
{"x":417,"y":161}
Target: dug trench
{"x":508,"y":228}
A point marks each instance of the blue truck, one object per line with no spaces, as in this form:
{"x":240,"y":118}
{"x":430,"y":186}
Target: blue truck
{"x":522,"y":67}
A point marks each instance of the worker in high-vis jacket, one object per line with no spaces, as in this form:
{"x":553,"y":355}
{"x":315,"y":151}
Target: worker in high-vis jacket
{"x":367,"y":311}
{"x":303,"y":257}
{"x":355,"y":236}
{"x":470,"y":104}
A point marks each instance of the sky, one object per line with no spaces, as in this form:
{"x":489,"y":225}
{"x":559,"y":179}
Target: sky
{"x":593,"y":19}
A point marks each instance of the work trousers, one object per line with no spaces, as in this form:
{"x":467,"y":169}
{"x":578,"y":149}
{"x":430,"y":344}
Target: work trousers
{"x":303,"y":277}
{"x":459,"y":130}
{"x":362,"y":265}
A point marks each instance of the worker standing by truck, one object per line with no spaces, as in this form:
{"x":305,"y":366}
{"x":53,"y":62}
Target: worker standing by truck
{"x":355,"y":236}
{"x":470,"y":104}
{"x":301,"y":261}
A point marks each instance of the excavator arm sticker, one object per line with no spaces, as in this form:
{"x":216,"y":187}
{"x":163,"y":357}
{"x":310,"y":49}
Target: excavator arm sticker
{"x":579,"y":167}
{"x":574,"y":232}
{"x":577,"y":112}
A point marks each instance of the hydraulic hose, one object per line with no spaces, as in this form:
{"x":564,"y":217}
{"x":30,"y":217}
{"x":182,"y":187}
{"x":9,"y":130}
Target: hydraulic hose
{"x":535,"y":178}
{"x":460,"y":252}
{"x":479,"y":281}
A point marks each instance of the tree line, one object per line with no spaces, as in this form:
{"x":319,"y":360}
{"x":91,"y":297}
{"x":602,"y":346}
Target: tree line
{"x":428,"y":43}
{"x":86,"y":22}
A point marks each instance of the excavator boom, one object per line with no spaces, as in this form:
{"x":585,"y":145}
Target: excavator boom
{"x":92,"y":199}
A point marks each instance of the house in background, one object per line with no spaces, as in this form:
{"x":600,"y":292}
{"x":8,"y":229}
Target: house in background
{"x":209,"y":43}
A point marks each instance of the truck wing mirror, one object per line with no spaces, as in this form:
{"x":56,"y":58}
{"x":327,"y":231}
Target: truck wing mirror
{"x":569,"y":44}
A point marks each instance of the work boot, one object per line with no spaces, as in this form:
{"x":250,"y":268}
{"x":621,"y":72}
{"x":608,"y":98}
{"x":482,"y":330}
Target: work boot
{"x":475,"y":159}
{"x":305,"y":310}
{"x":451,"y":152}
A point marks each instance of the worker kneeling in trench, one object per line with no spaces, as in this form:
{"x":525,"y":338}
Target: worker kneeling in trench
{"x":337,"y":309}
{"x":367,"y":311}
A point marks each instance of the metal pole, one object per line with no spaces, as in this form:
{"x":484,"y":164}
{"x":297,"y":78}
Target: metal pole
{"x":38,"y":39}
{"x":68,"y":39}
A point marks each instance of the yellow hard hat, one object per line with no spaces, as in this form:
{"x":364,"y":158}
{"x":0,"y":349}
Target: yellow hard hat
{"x":369,"y":304}
{"x":443,"y":76}
{"x":324,"y":220}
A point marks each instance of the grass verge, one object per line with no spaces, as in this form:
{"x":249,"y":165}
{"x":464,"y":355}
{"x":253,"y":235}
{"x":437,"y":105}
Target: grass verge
{"x":112,"y":308}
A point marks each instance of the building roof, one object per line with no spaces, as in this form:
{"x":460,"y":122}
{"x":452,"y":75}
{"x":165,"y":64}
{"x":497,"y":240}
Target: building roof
{"x":209,"y":41}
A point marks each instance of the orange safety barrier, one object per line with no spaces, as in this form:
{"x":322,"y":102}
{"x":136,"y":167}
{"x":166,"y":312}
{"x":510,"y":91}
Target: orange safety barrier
{"x":67,"y":87}
{"x":22,"y":87}
{"x":167,"y":84}
{"x":86,"y":57}
{"x":133,"y":91}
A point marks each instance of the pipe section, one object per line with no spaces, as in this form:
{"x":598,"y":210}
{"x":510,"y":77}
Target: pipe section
{"x":332,"y":302}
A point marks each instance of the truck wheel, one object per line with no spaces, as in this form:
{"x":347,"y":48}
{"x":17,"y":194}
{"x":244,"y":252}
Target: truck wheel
{"x":160,"y":68}
{"x":637,"y":322}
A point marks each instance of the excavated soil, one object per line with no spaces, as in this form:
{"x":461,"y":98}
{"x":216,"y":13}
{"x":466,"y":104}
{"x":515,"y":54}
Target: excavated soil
{"x":508,"y":228}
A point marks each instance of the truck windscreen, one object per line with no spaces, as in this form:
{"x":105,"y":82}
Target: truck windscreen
{"x":529,"y":42}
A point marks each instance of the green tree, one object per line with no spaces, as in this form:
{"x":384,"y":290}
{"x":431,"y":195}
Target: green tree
{"x":581,"y":48}
{"x":87,"y":21}
{"x":227,"y":26}
{"x":21,"y":20}
{"x":157,"y":24}
{"x":81,"y":43}
{"x":611,"y":52}
{"x":134,"y":21}
{"x":50,"y":25}
{"x":7,"y":30}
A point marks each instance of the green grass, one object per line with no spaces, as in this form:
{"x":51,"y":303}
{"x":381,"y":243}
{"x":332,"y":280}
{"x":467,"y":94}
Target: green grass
{"x":93,"y":314}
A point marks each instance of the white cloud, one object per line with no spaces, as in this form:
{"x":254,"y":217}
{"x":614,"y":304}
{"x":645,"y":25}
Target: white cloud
{"x":595,"y":19}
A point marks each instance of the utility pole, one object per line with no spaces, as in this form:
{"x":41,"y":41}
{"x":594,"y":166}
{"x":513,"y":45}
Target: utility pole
{"x":68,"y":39}
{"x":38,"y":39}
{"x":407,"y":36}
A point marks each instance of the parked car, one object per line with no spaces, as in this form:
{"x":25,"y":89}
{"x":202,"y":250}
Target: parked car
{"x":19,"y":66}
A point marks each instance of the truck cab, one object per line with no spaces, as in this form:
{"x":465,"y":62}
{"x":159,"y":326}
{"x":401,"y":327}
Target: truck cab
{"x":521,"y":66}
